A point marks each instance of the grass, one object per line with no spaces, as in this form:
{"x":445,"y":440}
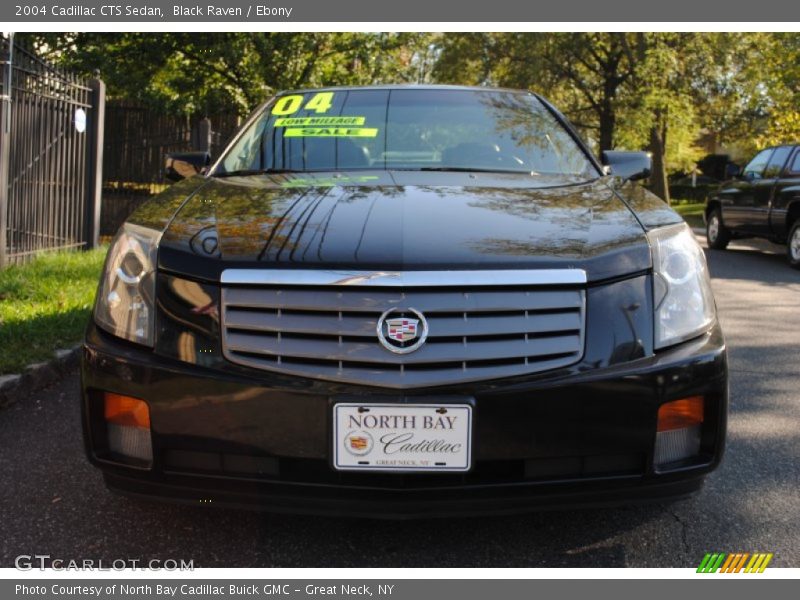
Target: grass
{"x":692,"y":212}
{"x":45,"y":305}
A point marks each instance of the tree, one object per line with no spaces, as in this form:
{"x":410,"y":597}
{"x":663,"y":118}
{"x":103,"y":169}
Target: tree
{"x":731,"y":88}
{"x":688,"y":83}
{"x":582,"y":72}
{"x":778,"y":72}
{"x":192,"y":73}
{"x":660,"y":102}
{"x":654,"y":91}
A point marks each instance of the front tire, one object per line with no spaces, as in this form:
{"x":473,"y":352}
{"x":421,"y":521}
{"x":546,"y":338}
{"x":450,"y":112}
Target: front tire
{"x":793,"y":246}
{"x":717,"y":235}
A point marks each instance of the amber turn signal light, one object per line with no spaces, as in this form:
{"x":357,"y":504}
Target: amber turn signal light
{"x":126,"y":411}
{"x":680,"y":414}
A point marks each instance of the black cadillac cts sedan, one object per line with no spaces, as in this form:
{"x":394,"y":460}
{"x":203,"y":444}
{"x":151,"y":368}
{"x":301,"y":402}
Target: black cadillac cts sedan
{"x":405,"y":301}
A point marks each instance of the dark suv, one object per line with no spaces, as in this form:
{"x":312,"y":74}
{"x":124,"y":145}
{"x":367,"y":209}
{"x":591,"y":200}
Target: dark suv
{"x":763,"y":201}
{"x":405,"y":301}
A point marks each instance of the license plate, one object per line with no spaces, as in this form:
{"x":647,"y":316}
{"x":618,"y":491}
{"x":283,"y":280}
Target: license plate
{"x":402,"y":437}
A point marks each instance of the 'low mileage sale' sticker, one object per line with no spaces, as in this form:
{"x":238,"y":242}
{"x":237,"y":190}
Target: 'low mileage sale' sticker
{"x":319,"y":121}
{"x":319,"y":126}
{"x":331,"y":132}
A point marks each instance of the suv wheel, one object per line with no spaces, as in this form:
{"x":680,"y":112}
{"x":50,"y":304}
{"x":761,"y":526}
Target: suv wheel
{"x":717,"y":235}
{"x":793,"y":245}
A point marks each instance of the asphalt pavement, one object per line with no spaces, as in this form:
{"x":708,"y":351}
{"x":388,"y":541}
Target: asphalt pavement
{"x":53,"y":502}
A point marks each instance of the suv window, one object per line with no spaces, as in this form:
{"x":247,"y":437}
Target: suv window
{"x":776,"y":162}
{"x":794,"y":166}
{"x":755,"y":168}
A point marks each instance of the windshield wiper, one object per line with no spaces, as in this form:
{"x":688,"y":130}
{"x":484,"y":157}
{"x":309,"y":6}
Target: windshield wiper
{"x":468,"y":170}
{"x":246,"y":172}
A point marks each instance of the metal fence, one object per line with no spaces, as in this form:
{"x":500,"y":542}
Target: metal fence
{"x":137,"y":139}
{"x":72,"y":168}
{"x":51,"y":129}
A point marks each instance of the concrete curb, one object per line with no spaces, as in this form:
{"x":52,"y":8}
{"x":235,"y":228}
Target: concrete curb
{"x":38,"y":375}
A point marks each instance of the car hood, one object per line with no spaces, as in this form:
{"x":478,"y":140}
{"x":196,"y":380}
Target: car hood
{"x":404,"y":221}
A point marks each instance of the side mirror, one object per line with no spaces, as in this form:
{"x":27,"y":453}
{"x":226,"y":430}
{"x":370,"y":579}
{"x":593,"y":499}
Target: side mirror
{"x":628,"y":165}
{"x":733,"y":171}
{"x":181,"y":165}
{"x":750,"y":176}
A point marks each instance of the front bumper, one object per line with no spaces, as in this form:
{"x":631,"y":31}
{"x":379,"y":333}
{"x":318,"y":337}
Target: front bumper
{"x":551,"y":441}
{"x":245,"y":438}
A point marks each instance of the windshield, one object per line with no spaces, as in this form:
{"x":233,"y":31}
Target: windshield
{"x":408,"y":129}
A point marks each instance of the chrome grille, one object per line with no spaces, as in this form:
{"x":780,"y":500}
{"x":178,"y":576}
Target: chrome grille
{"x":324,"y":326}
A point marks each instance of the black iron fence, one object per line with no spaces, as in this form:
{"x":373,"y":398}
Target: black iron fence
{"x":72,"y":167}
{"x":136,"y":141}
{"x":51,"y":131}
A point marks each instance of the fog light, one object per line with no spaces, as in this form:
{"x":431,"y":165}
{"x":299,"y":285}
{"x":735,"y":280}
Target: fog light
{"x":128,"y":426}
{"x":678,"y":430}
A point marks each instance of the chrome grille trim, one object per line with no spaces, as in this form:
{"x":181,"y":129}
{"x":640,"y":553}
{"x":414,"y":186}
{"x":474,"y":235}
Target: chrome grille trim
{"x":294,"y":324}
{"x":403,"y":278}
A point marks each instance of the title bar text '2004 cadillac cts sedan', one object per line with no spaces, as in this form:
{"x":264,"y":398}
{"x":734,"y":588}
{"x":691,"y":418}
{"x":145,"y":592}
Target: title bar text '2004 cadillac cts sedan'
{"x":405,"y":301}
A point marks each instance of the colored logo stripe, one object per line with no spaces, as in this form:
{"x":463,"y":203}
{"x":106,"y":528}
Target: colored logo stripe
{"x":711,"y":562}
{"x":734,"y":563}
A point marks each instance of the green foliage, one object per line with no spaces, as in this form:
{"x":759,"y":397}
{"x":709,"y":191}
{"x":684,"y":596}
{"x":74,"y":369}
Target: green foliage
{"x":692,"y":212}
{"x":45,"y":305}
{"x":191,"y":72}
{"x":654,"y":91}
{"x":779,"y":55}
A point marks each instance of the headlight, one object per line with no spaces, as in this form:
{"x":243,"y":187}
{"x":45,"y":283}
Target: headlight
{"x":683,"y":300}
{"x":125,"y":298}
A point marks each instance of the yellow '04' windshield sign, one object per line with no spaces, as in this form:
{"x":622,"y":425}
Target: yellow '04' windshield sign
{"x":369,"y":132}
{"x":320,"y":103}
{"x":319,"y":121}
{"x":288,"y":105}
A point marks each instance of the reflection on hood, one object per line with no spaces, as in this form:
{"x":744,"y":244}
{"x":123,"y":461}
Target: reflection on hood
{"x":411,"y":220}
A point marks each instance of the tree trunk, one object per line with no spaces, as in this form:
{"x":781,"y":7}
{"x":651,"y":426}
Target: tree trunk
{"x":608,"y":114}
{"x":608,"y":121}
{"x":658,"y":178}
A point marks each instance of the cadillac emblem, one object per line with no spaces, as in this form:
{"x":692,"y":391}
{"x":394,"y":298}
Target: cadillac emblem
{"x":402,"y":330}
{"x":358,"y":443}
